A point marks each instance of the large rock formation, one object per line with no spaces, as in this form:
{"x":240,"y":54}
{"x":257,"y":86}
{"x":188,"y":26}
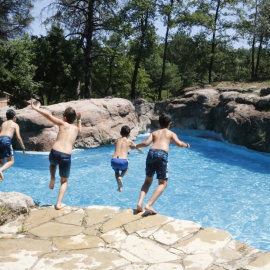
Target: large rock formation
{"x":242,"y":116}
{"x":102,"y":120}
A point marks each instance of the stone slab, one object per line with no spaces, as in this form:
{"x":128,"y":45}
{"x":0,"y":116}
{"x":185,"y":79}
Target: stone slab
{"x":77,"y":242}
{"x":175,"y":230}
{"x":53,"y":229}
{"x":166,"y":266}
{"x":147,"y":222}
{"x":99,"y":214}
{"x":124,"y":217}
{"x":94,"y":259}
{"x":147,"y":250}
{"x":21,"y":253}
{"x":114,"y":236}
{"x":205,"y":241}
{"x":75,"y":218}
{"x":261,"y":263}
{"x":43,"y":215}
{"x":198,"y":261}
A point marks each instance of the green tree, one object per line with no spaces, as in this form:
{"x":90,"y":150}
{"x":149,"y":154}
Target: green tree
{"x":17,"y":71}
{"x":215,"y":17}
{"x":59,"y":66}
{"x":15,"y":16}
{"x":138,"y":17}
{"x":85,"y":20}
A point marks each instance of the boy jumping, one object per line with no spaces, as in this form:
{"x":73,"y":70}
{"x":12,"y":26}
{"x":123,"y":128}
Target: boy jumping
{"x":119,"y":160}
{"x":7,"y":131}
{"x":62,"y":148}
{"x":157,"y":160}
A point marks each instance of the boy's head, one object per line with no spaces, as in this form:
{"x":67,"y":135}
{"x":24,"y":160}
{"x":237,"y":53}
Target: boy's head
{"x":70,"y":115}
{"x":10,"y":114}
{"x":125,"y":130}
{"x":164,"y":120}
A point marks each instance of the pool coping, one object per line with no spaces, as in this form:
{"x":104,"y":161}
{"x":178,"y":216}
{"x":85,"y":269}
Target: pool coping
{"x":100,"y":237}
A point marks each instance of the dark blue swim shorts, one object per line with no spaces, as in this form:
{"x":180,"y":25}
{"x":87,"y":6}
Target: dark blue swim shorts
{"x":6,"y":149}
{"x":119,"y":164}
{"x":61,"y":159}
{"x":157,"y":162}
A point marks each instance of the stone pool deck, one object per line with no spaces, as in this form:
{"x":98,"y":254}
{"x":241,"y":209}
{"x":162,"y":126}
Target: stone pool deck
{"x":107,"y":238}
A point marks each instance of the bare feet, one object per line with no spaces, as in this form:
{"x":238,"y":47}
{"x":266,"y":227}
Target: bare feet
{"x":139,"y":208}
{"x":1,"y":177}
{"x":58,"y":207}
{"x":151,"y":209}
{"x":51,"y":185}
{"x":120,"y":183}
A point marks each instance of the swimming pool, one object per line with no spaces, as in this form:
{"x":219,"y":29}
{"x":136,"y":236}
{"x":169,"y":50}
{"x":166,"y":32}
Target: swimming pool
{"x":214,"y":184}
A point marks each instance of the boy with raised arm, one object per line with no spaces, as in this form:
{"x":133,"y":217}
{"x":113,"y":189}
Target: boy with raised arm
{"x":7,"y":131}
{"x":62,"y":148}
{"x":119,"y":160}
{"x":157,"y":160}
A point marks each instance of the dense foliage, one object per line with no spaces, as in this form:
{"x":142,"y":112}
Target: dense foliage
{"x":104,"y":48}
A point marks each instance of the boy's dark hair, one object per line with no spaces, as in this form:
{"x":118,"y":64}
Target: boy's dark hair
{"x":70,"y":114}
{"x":125,"y":130}
{"x":10,"y":114}
{"x":164,"y":120}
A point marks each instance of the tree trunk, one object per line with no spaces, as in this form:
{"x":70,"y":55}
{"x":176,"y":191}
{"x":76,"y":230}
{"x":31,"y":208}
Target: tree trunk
{"x":88,"y":50}
{"x":213,"y":44}
{"x":253,"y":45}
{"x":144,"y":22}
{"x":258,"y":58}
{"x":165,"y":53}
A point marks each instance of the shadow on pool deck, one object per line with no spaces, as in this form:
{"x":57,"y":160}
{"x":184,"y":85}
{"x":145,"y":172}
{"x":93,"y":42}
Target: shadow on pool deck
{"x":98,"y":237}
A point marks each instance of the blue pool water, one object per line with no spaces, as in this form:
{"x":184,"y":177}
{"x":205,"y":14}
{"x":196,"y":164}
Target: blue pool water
{"x":214,"y":184}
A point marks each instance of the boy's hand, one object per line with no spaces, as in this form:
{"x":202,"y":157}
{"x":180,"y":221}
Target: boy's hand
{"x":78,"y":116}
{"x":24,"y":153}
{"x":188,"y":146}
{"x":139,"y":149}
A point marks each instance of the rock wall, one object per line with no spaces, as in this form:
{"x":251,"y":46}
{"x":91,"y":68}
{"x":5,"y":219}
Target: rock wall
{"x":242,"y":116}
{"x":102,"y":120}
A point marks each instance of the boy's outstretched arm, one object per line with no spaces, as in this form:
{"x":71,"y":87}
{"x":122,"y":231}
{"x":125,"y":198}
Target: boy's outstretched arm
{"x":179,"y":143}
{"x":146,"y":142}
{"x":46,"y":114}
{"x":19,"y":138}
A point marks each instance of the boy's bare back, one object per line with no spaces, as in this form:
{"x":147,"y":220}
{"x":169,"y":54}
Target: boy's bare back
{"x":66,"y":137}
{"x":162,"y":138}
{"x":8,"y":128}
{"x":121,"y":148}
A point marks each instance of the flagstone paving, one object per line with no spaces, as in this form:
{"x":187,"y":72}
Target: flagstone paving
{"x":100,"y":237}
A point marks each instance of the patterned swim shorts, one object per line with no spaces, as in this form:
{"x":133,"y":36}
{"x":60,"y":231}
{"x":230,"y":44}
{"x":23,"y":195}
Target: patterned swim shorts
{"x":157,"y":162}
{"x":6,"y":149}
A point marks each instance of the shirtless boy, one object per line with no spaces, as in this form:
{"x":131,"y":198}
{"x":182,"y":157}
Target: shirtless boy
{"x":62,"y":148}
{"x":157,"y":160}
{"x":7,"y":131}
{"x":119,"y":160}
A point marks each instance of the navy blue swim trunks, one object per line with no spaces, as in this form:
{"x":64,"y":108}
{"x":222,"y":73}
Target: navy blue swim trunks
{"x":61,"y":159}
{"x":6,"y":149}
{"x":119,"y":164}
{"x":157,"y":161}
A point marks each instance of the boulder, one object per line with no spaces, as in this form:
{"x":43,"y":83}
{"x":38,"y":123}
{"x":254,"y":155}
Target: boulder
{"x":102,"y":120}
{"x":16,"y":202}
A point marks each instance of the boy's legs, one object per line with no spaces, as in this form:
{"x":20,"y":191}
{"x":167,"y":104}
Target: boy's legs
{"x":52,"y":172}
{"x":145,"y":187}
{"x":62,"y":191}
{"x":162,"y":184}
{"x":8,"y":164}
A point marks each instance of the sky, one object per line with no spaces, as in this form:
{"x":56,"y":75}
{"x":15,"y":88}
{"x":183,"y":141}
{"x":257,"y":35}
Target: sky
{"x":37,"y":28}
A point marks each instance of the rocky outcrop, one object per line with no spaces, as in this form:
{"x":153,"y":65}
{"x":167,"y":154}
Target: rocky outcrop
{"x":242,"y":117}
{"x":102,"y":120}
{"x":16,"y":202}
